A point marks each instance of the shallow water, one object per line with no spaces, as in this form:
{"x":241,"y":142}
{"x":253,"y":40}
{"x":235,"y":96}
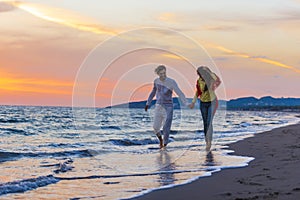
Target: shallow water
{"x":59,"y":153}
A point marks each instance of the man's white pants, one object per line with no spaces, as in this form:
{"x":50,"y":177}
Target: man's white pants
{"x":163,"y":115}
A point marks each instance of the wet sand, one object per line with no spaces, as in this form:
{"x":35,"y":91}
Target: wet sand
{"x":273,"y":174}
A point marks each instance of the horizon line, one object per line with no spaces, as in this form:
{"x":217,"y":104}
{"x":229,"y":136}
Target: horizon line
{"x":70,"y":106}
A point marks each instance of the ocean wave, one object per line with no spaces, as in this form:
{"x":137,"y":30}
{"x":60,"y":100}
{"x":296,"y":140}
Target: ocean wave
{"x":72,"y":153}
{"x":62,"y":145}
{"x":13,"y":120}
{"x":69,"y":135}
{"x":14,"y":131}
{"x":132,"y":142}
{"x":245,"y":124}
{"x":27,"y":184}
{"x":111,"y":127}
{"x":58,"y":116}
{"x":9,"y":156}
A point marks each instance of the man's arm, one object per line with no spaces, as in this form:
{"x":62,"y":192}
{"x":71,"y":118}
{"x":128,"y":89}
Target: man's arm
{"x":151,"y":96}
{"x":195,"y":97}
{"x":179,"y":93}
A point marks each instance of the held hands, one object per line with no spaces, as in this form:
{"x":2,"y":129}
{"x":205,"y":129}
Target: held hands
{"x":192,"y":105}
{"x":146,"y":108}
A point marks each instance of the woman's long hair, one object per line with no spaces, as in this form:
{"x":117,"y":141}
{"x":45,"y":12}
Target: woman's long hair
{"x":205,"y":73}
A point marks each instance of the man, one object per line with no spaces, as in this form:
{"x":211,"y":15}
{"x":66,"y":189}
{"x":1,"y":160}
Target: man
{"x":163,"y":114}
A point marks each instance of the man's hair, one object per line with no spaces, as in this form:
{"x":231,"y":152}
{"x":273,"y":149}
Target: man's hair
{"x":159,"y":68}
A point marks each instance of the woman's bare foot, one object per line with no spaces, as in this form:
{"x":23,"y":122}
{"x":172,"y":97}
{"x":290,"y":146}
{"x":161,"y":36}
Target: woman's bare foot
{"x":208,"y":146}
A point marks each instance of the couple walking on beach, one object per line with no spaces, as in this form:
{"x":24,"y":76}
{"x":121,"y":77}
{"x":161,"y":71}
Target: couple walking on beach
{"x":163,"y":88}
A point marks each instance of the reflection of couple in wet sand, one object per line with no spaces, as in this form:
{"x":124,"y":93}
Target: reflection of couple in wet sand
{"x":168,"y":167}
{"x":163,"y":88}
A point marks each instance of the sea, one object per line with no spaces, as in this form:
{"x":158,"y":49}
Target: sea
{"x":112,"y":153}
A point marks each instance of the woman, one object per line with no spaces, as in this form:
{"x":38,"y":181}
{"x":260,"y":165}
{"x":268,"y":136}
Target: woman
{"x":206,"y":85}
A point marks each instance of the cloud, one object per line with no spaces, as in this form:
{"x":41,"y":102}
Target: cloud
{"x":173,"y":56}
{"x":221,"y":28}
{"x":257,"y":58}
{"x":277,"y":17}
{"x":277,"y":77}
{"x":6,"y":7}
{"x":254,"y":57}
{"x":168,"y":17}
{"x":220,"y":59}
{"x":63,"y":17}
{"x":291,"y":14}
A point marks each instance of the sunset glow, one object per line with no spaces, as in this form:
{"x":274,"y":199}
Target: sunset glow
{"x":45,"y":43}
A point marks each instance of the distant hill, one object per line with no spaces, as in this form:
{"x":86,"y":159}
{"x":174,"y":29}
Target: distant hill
{"x":268,"y":103}
{"x":141,"y":104}
{"x":245,"y":103}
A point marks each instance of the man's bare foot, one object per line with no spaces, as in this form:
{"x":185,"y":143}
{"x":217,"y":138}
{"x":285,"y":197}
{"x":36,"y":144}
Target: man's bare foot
{"x":161,"y":143}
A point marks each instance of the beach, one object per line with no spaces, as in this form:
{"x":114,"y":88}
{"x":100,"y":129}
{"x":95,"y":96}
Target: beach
{"x":115,"y":155}
{"x":273,"y":174}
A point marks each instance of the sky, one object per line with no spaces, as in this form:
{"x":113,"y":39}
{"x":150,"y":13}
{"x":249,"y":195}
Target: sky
{"x":100,"y":53}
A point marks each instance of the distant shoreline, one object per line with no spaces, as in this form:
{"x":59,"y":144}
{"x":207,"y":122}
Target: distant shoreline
{"x":243,"y":104}
{"x":240,"y":104}
{"x":278,"y":109}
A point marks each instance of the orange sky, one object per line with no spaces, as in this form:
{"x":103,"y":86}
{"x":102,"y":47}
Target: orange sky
{"x":46,"y":47}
